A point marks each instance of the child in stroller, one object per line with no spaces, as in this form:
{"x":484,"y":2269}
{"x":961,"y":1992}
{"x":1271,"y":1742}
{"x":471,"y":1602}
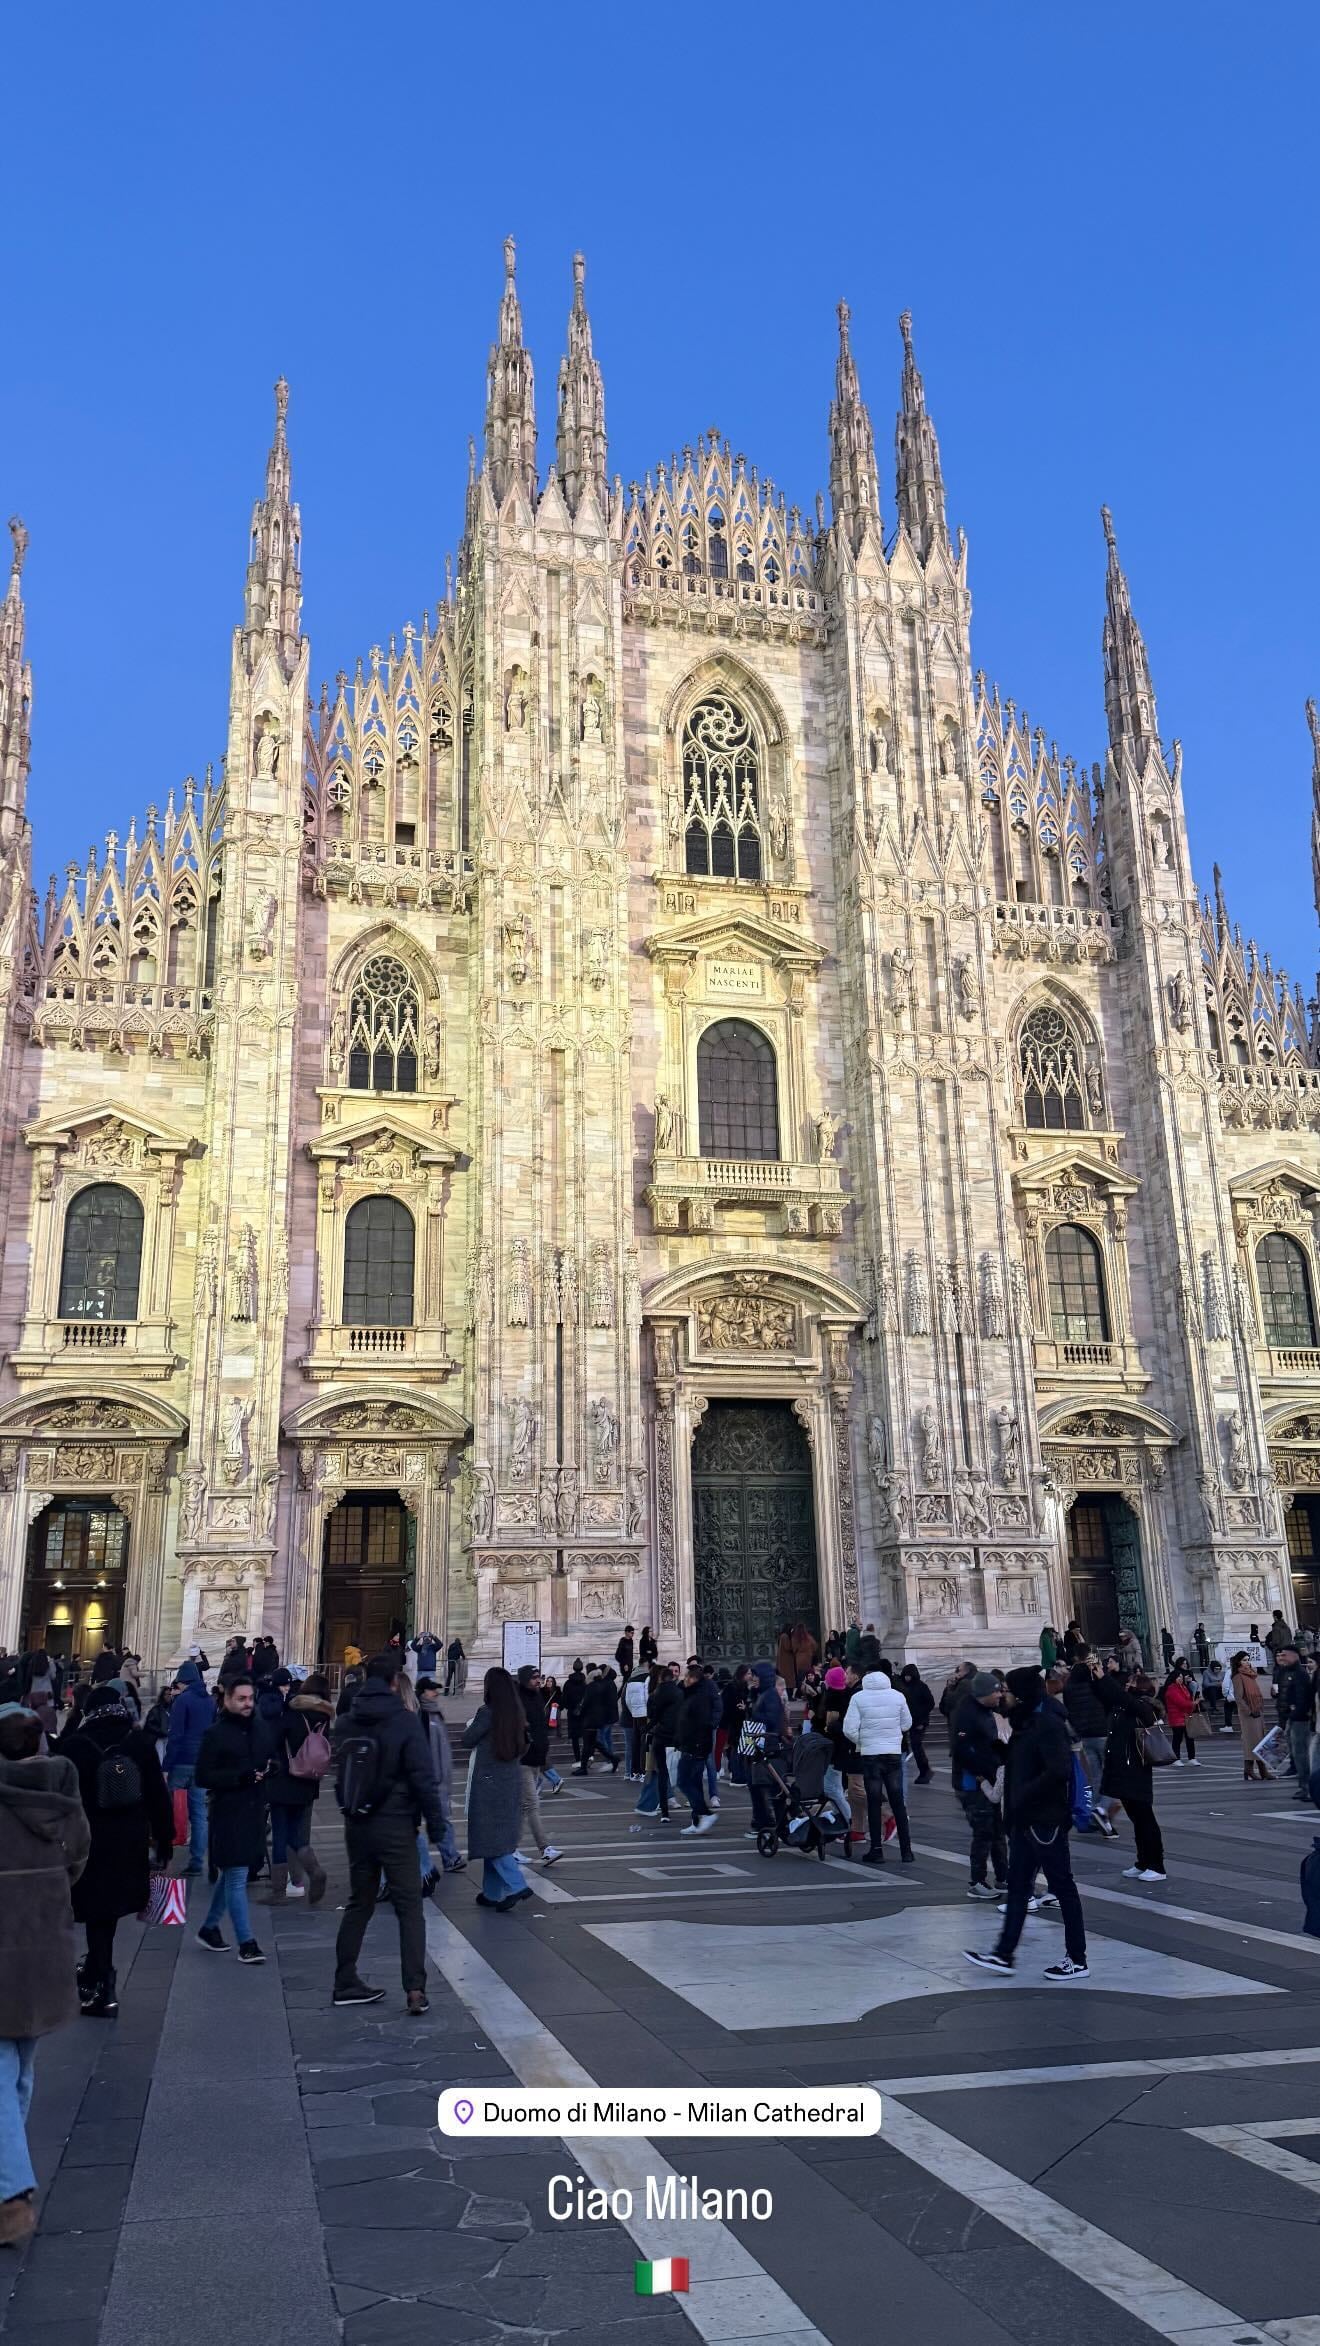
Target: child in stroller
{"x":805,"y":1815}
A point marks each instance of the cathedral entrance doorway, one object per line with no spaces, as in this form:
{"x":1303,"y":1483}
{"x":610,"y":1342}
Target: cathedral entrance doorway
{"x":368,"y":1570}
{"x":1106,"y":1582}
{"x":73,"y":1588}
{"x":753,"y":1530}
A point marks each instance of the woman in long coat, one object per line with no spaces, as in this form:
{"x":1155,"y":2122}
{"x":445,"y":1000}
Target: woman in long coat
{"x":44,"y":1841}
{"x":109,"y":1750}
{"x":1250,"y":1716}
{"x":496,"y":1737}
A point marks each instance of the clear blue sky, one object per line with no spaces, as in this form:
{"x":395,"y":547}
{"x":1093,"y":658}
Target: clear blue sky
{"x":1104,"y":220}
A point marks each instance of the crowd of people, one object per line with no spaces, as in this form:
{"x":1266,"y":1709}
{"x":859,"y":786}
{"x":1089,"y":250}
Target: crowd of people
{"x":102,"y":1793}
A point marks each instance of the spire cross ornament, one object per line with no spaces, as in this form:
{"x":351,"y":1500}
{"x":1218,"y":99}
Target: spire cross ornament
{"x":20,"y":537}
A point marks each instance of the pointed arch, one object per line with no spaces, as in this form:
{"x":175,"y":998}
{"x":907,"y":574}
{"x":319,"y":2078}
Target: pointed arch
{"x":1056,"y":1062}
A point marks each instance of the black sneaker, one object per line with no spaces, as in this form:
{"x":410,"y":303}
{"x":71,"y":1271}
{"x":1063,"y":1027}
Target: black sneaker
{"x":1067,"y":1969}
{"x":210,"y":1937}
{"x":994,"y":1961}
{"x":359,"y":1993}
{"x":250,"y":1952}
{"x":418,"y":2002}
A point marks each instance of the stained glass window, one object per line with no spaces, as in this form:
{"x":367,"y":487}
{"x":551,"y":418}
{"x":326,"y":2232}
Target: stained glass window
{"x":102,"y":1264}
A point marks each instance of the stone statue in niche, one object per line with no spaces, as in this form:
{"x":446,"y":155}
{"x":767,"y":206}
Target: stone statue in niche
{"x":516,"y":944}
{"x":636,"y":1502}
{"x":828,"y":1127}
{"x":1159,"y":844}
{"x":593,"y":714}
{"x":1095,"y":1092}
{"x":522,"y":1433}
{"x":432,"y":1033}
{"x":597,"y":957}
{"x":481,"y":1505}
{"x":268,"y":751}
{"x":515,"y":701}
{"x":1180,"y":1000}
{"x":664,"y":1124}
{"x":604,"y":1439}
{"x":778,"y":829}
{"x":1010,"y":1446}
{"x":338,"y":1042}
{"x":964,"y":984}
{"x":1235,"y":1434}
{"x":193,"y":1501}
{"x":261,"y":924}
{"x":948,"y":752}
{"x":566,"y":1503}
{"x":932,"y":1446}
{"x":233,"y":1434}
{"x":243,"y":1276}
{"x":673,"y":810}
{"x":902,"y":980}
{"x":877,"y":1447}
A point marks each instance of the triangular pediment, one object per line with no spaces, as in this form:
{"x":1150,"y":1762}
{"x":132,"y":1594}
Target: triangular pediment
{"x":383,"y":1130}
{"x":1281,"y":1172}
{"x":1077,"y":1165}
{"x":734,"y":932}
{"x":62,"y":1132}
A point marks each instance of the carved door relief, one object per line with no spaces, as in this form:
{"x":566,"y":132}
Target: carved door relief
{"x":753,"y":1529}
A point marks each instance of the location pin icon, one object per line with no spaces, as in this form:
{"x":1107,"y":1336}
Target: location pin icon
{"x":462,"y":2111}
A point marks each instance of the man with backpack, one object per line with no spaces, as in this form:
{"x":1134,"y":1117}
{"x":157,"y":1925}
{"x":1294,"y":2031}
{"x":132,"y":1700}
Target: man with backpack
{"x":386,"y":1786}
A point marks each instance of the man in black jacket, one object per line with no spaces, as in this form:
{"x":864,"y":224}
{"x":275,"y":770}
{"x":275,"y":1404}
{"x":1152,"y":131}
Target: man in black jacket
{"x":1038,"y":1816}
{"x":977,"y":1754}
{"x":382,"y":1835}
{"x":600,"y":1709}
{"x":1294,"y":1693}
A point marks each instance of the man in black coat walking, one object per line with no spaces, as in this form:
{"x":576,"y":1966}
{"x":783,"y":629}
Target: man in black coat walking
{"x":1038,"y":1818}
{"x":386,"y":1787}
{"x":233,"y":1762}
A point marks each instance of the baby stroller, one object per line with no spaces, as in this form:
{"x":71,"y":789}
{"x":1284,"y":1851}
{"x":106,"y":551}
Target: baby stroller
{"x":807,"y":1816}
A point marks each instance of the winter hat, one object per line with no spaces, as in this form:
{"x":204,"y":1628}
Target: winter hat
{"x":1026,"y":1685}
{"x":981,"y":1683}
{"x":836,"y":1678}
{"x":16,"y":1710}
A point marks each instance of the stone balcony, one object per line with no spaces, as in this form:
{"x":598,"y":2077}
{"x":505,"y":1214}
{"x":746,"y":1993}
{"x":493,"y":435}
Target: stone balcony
{"x":798,"y":1201}
{"x":738,"y":606}
{"x":1286,"y":1365}
{"x":337,"y":1350}
{"x":1089,"y":1361}
{"x":140,"y":1348}
{"x":1056,"y":932}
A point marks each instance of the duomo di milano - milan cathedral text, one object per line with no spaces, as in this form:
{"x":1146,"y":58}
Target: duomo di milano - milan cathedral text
{"x":659,"y":1098}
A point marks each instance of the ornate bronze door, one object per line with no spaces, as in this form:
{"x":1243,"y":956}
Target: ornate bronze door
{"x":753,"y":1529}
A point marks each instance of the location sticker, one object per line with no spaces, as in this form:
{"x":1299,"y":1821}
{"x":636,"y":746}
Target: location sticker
{"x":462,"y":2111}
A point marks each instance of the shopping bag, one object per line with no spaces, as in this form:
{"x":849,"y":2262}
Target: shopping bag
{"x":182,"y":1825}
{"x":1272,"y":1751}
{"x":1081,"y":1799}
{"x":167,"y":1899}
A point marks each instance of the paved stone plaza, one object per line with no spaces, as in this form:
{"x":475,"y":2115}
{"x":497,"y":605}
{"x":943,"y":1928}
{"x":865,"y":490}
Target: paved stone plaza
{"x":233,"y":2158}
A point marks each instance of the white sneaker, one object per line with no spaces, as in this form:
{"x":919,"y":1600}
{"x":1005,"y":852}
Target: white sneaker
{"x":706,"y":1824}
{"x":548,"y":1856}
{"x":692,"y":1828}
{"x":1033,"y":1906}
{"x":1193,"y":1763}
{"x":1047,"y":1902}
{"x":714,"y":1802}
{"x":1179,"y":1763}
{"x":294,"y":1890}
{"x":1132,"y":1873}
{"x":1150,"y":1875}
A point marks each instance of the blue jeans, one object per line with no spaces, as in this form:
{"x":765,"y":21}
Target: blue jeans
{"x":605,"y":1742}
{"x":692,"y":1781}
{"x":550,"y":1776}
{"x":17,"y":2058}
{"x":501,"y":1877}
{"x":181,"y":1780}
{"x":290,"y":1828}
{"x":712,"y":1780}
{"x":231,"y":1891}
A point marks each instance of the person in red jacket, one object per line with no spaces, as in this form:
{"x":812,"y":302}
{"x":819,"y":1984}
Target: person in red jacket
{"x":1179,"y":1698}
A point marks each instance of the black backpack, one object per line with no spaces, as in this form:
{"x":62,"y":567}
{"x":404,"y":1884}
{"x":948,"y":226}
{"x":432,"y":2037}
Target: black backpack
{"x":118,"y":1779}
{"x":359,"y":1781}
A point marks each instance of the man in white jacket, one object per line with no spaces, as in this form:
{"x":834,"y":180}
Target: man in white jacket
{"x":875,"y":1723}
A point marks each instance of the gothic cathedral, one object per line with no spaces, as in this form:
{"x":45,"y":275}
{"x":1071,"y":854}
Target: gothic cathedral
{"x":659,"y":1099}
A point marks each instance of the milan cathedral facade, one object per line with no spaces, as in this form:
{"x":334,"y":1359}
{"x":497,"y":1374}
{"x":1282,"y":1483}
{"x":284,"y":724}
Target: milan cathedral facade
{"x":659,"y":1099}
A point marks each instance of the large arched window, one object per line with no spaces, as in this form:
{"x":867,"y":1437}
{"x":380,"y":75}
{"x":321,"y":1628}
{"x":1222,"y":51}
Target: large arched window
{"x":379,"y":1242}
{"x":1078,"y":1312}
{"x":737,"y":1095}
{"x":102,"y":1263}
{"x":722,"y":791}
{"x":1286,"y":1307}
{"x":1050,"y":1066}
{"x":384,"y":1015}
